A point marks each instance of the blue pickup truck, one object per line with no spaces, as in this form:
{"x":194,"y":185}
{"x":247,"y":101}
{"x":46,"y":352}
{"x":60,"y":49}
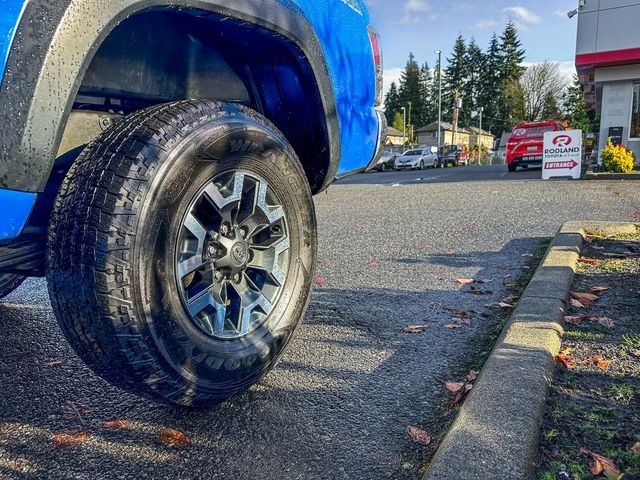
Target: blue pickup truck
{"x":157,"y":164}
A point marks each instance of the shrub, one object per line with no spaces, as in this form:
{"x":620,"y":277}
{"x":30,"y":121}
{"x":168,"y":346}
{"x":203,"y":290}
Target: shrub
{"x":617,"y":158}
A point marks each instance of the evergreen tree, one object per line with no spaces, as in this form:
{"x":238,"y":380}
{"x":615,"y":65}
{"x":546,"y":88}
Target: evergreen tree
{"x":456,"y":77}
{"x":575,"y":108}
{"x":398,"y":121}
{"x":430,"y":110}
{"x":491,"y":86}
{"x":512,"y":54}
{"x":411,"y":93}
{"x":392,"y":102}
{"x":471,"y":91}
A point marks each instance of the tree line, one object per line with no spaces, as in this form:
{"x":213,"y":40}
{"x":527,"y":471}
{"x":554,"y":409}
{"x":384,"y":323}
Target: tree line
{"x":494,"y":79}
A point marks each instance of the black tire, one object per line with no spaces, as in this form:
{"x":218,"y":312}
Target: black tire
{"x":114,"y":237}
{"x":9,"y":282}
{"x":512,"y":167}
{"x":421,"y":164}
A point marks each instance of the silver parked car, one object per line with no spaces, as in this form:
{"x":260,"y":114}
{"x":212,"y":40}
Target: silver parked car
{"x":418,"y":158}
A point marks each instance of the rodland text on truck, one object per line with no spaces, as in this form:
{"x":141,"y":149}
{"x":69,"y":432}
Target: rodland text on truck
{"x":157,"y":164}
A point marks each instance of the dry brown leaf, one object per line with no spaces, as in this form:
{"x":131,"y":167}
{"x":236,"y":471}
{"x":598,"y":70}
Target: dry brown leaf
{"x":590,"y":261}
{"x":605,"y":322}
{"x":453,"y":387}
{"x":584,"y":298}
{"x":566,"y":359}
{"x":419,"y":436}
{"x":479,"y":291}
{"x":635,"y":448}
{"x":465,"y":281}
{"x":575,"y":303}
{"x":320,"y":280}
{"x":116,"y":424}
{"x":461,"y":313}
{"x":574,"y":319}
{"x":601,"y":289}
{"x":66,"y":440}
{"x":604,"y":364}
{"x":462,"y":393}
{"x":173,"y":438}
{"x":472,"y":376}
{"x":600,"y":464}
{"x":417,"y":328}
{"x":373,"y":262}
{"x":453,"y":325}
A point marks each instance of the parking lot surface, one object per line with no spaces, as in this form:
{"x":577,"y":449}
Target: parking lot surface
{"x":339,"y":402}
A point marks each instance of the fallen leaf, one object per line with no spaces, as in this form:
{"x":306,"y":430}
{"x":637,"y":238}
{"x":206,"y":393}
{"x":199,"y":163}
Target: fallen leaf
{"x":373,"y":262}
{"x":590,"y":261}
{"x":453,"y":387}
{"x":453,"y":325}
{"x":566,"y":359}
{"x":472,"y":376}
{"x":417,"y":328}
{"x":19,"y":465}
{"x":511,"y":299}
{"x":54,"y":363}
{"x":527,"y":255}
{"x":66,"y":440}
{"x":575,"y":303}
{"x":584,"y":298}
{"x":173,"y":438}
{"x":461,"y":313}
{"x":450,"y":252}
{"x":419,"y":436}
{"x":320,"y":280}
{"x":635,"y":448}
{"x":116,"y":424}
{"x":604,"y":364}
{"x":459,"y":396}
{"x":599,"y":289}
{"x":465,"y":281}
{"x":600,"y":464}
{"x":479,"y":291}
{"x":574,"y":320}
{"x":321,"y":261}
{"x":605,"y":322}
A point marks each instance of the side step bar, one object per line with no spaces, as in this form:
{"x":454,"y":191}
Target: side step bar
{"x":25,"y":256}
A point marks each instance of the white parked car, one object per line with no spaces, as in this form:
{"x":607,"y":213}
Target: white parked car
{"x":418,"y":158}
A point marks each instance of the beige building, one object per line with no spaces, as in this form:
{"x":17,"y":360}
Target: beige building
{"x":394,"y":137}
{"x":428,"y":135}
{"x":482,"y":137}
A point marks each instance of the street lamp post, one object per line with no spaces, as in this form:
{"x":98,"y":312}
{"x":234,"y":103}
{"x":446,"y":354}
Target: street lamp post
{"x":410,"y":126}
{"x":404,"y":126}
{"x":439,"y":53}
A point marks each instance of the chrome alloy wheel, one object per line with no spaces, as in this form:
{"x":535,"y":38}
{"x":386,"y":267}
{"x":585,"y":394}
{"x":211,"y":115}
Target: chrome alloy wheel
{"x":232,"y":255}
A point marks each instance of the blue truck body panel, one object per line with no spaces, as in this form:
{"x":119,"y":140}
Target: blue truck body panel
{"x":340,"y":26}
{"x":15,"y":208}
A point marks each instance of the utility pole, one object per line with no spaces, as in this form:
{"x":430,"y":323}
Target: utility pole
{"x":457,"y":104}
{"x":404,"y":126}
{"x":480,"y":112}
{"x":410,"y":125}
{"x":439,"y":53}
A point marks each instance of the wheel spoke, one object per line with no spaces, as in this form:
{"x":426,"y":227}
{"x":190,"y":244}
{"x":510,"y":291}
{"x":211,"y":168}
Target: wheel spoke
{"x":214,"y":297}
{"x":268,"y":260}
{"x":250,"y":299}
{"x":225,"y":204}
{"x":195,"y":259}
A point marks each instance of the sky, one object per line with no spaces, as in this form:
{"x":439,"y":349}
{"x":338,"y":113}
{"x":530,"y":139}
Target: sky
{"x":422,"y":26}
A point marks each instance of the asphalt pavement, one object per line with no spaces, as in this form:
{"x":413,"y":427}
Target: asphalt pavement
{"x":339,"y":402}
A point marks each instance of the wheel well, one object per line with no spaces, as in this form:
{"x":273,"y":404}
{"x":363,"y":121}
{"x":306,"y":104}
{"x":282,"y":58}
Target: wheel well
{"x":164,"y":55}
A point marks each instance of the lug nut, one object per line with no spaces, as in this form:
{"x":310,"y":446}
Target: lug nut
{"x":224,"y":229}
{"x":212,"y":250}
{"x":236,"y":278}
{"x":243,"y":232}
{"x":218,"y":277}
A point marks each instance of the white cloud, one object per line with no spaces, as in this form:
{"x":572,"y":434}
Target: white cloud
{"x":413,"y":11}
{"x":391,"y":75}
{"x":522,"y":16}
{"x":487,"y":24}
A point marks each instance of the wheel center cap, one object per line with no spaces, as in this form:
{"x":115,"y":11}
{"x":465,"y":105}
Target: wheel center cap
{"x":239,"y":254}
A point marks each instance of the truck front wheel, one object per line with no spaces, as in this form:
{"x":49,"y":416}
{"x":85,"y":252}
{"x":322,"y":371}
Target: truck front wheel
{"x":8,"y":283}
{"x":181,"y":251}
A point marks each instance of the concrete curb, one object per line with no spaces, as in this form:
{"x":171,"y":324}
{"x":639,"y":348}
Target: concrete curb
{"x":612,"y":176}
{"x":496,"y":432}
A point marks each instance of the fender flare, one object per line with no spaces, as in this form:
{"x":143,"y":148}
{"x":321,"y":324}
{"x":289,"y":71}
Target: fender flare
{"x":54,"y":45}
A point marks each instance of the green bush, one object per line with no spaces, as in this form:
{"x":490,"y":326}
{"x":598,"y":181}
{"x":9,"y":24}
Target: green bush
{"x":617,"y":158}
